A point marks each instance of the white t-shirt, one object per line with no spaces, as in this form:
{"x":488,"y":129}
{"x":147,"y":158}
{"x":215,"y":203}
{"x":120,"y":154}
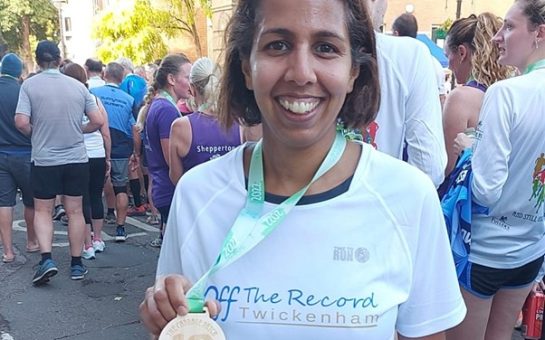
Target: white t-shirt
{"x":410,"y":111}
{"x":94,"y":143}
{"x":361,"y":265}
{"x":440,"y":76}
{"x":509,"y":173}
{"x":95,"y":81}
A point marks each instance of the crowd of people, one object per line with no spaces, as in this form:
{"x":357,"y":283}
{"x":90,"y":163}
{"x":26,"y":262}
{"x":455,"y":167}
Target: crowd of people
{"x":298,"y":186}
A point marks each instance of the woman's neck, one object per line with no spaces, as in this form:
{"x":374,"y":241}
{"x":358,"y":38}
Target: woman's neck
{"x":537,"y":55}
{"x":172,"y":93}
{"x":288,"y":169}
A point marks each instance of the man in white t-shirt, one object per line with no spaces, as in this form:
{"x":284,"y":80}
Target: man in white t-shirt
{"x":94,"y":69}
{"x":409,"y":122}
{"x":406,"y":25}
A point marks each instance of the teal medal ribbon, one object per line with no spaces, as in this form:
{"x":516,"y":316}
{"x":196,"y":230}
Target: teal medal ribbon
{"x":250,"y":228}
{"x":168,"y":97}
{"x":535,"y":66}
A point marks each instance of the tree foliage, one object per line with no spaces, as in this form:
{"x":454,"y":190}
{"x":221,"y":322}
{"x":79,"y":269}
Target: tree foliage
{"x":137,"y":32}
{"x":183,"y":17}
{"x":41,"y":17}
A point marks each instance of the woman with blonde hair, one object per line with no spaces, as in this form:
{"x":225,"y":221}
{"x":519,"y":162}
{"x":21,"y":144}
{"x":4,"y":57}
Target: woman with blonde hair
{"x":199,"y":137}
{"x":473,"y":58}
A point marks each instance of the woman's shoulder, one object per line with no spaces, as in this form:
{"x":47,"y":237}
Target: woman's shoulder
{"x":462,"y":99}
{"x":383,"y":171}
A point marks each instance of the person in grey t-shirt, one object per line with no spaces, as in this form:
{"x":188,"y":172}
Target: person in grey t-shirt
{"x":50,"y":111}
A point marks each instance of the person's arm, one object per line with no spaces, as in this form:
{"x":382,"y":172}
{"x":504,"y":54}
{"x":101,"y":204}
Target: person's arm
{"x":492,"y":148}
{"x":455,"y":120}
{"x":180,"y":141}
{"x":424,"y":128}
{"x":434,"y":303}
{"x":23,"y":112}
{"x":96,"y":118}
{"x":106,"y":138}
{"x":22,"y":123}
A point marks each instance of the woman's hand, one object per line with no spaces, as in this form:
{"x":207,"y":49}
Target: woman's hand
{"x":165,"y":300}
{"x":462,"y":142}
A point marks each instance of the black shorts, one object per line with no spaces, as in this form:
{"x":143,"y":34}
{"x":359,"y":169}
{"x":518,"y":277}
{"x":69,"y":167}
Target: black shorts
{"x":15,"y":173}
{"x":484,"y":281}
{"x":66,"y":179}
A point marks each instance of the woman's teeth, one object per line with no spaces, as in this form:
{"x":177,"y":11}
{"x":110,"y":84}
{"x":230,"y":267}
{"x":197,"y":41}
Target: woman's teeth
{"x":298,"y":107}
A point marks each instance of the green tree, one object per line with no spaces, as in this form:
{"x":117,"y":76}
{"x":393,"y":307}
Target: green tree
{"x":183,"y":17}
{"x":137,"y":33}
{"x":24,"y":22}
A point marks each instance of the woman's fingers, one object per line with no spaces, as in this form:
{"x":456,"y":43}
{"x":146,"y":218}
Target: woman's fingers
{"x":163,"y":302}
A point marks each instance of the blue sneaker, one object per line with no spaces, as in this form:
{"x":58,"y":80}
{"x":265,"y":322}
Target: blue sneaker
{"x":45,"y":270}
{"x":78,"y":271}
{"x":120,"y":234}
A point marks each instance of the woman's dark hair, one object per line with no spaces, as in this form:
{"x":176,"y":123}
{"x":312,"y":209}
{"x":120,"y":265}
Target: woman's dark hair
{"x":75,"y":71}
{"x":535,"y":11}
{"x":237,"y":103}
{"x":169,"y":65}
{"x":462,"y":32}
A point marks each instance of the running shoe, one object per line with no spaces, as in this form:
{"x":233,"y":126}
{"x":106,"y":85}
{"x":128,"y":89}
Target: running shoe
{"x":99,"y":246}
{"x":153,"y":220}
{"x":45,"y":270}
{"x":109,"y":218}
{"x":157,"y":243}
{"x":120,"y":234}
{"x":137,"y":211}
{"x":64,"y":220}
{"x":78,"y":271}
{"x":58,"y":212}
{"x":88,"y":254}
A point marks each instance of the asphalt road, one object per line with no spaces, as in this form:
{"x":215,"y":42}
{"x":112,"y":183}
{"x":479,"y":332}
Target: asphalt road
{"x":104,"y":305}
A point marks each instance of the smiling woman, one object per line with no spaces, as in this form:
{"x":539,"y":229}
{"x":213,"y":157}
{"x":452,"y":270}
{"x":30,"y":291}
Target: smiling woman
{"x":298,"y":68}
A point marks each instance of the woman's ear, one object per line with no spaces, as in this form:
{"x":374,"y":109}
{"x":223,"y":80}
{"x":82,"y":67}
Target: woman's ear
{"x":462,"y":52}
{"x":540,"y":37}
{"x":246,"y":70}
{"x":170,"y":79}
{"x":354,"y":74}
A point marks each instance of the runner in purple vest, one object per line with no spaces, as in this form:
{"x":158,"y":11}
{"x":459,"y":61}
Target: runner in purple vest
{"x":171,"y":83}
{"x":199,"y":137}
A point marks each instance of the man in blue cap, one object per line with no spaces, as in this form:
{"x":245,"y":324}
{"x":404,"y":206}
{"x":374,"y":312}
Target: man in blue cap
{"x":15,"y":151}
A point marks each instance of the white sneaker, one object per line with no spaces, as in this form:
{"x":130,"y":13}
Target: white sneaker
{"x":99,"y":246}
{"x":88,"y":254}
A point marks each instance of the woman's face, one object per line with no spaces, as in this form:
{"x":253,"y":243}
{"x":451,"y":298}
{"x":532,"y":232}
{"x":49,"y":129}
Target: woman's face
{"x":515,"y":40}
{"x":300,"y":69}
{"x":459,"y":62}
{"x":180,"y":82}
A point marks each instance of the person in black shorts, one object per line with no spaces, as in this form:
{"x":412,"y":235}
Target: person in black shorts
{"x":59,"y":158}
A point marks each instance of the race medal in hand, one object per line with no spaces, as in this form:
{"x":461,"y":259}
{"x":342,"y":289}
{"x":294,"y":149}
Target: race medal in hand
{"x":192,"y":326}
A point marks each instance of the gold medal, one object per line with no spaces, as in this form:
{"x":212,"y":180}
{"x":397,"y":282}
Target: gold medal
{"x":192,"y":326}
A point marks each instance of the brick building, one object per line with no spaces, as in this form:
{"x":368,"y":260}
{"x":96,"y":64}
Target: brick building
{"x":433,"y":13}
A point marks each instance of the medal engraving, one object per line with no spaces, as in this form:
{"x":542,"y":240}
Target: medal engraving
{"x":192,"y":326}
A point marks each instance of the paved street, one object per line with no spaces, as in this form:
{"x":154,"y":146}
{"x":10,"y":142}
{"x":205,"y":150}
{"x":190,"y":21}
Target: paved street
{"x":102,"y":306}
